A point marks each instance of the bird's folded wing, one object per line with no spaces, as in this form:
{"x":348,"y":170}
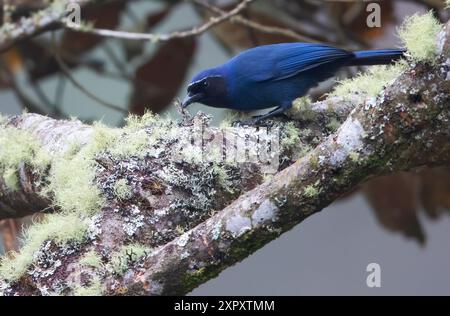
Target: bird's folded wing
{"x":291,"y":60}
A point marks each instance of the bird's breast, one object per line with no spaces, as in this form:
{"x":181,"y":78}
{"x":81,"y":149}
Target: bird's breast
{"x":251,"y":95}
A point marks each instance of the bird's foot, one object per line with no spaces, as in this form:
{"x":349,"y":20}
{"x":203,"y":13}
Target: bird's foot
{"x":255,"y":120}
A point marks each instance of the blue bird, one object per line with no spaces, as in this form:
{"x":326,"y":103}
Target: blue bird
{"x":275,"y":75}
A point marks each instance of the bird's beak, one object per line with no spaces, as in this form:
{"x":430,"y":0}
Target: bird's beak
{"x":191,"y":99}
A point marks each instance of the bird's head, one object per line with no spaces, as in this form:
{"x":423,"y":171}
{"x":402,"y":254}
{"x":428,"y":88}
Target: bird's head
{"x":207,"y":87}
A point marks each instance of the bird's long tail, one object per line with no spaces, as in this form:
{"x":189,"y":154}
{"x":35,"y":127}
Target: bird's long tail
{"x":376,"y":57}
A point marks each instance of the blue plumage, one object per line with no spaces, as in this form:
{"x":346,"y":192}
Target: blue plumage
{"x":275,"y":75}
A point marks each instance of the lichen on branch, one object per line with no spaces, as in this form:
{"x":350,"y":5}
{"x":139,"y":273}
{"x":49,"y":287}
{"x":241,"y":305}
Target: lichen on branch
{"x":151,"y":180}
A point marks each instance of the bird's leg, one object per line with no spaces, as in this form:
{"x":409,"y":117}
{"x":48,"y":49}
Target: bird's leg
{"x":257,"y":119}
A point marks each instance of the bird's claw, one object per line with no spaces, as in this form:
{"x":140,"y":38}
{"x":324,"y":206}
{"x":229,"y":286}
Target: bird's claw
{"x":240,"y":123}
{"x":250,"y":122}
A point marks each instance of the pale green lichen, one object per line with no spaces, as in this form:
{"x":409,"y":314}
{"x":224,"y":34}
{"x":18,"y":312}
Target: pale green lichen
{"x":91,"y":259}
{"x":370,"y":83}
{"x":267,"y":177}
{"x":55,"y":7}
{"x":119,"y":142}
{"x":314,"y":161}
{"x":179,"y":230}
{"x":333,"y":125}
{"x":301,"y":109}
{"x":354,"y":156}
{"x":291,"y":136}
{"x":122,"y":190}
{"x":3,"y":119}
{"x":306,"y":132}
{"x":130,"y":144}
{"x":419,"y":35}
{"x":72,"y":177}
{"x":61,"y":228}
{"x":103,"y":138}
{"x":72,"y":184}
{"x":72,"y":149}
{"x":136,"y":122}
{"x":215,"y":155}
{"x":199,"y":272}
{"x":11,"y":179}
{"x":68,"y":184}
{"x":164,"y":130}
{"x":223,"y":177}
{"x":72,"y":187}
{"x":305,"y":149}
{"x":193,"y":154}
{"x":127,"y":255}
{"x":312,"y":190}
{"x":94,"y":288}
{"x":19,"y":147}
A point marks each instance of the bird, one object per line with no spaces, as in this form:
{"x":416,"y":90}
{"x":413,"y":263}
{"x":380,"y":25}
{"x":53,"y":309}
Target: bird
{"x":273,"y":76}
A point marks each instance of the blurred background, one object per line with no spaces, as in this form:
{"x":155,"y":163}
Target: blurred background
{"x":400,"y":222}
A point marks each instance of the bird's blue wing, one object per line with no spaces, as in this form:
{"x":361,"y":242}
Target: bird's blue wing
{"x":281,"y":61}
{"x":292,"y":60}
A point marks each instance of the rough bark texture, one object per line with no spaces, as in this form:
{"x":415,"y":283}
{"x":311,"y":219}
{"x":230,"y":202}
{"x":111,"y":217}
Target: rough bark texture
{"x":176,"y":208}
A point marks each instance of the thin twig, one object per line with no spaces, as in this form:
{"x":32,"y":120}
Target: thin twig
{"x":198,"y":30}
{"x":255,"y":25}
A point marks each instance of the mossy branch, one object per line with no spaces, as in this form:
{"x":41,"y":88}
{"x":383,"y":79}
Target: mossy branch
{"x":140,"y":210}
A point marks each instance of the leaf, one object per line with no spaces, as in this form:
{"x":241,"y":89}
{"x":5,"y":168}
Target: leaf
{"x":397,"y":199}
{"x":435,"y":191}
{"x":13,"y":60}
{"x":394,"y":199}
{"x":158,"y":80}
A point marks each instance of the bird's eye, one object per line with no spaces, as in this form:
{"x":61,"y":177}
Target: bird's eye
{"x":205,"y":83}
